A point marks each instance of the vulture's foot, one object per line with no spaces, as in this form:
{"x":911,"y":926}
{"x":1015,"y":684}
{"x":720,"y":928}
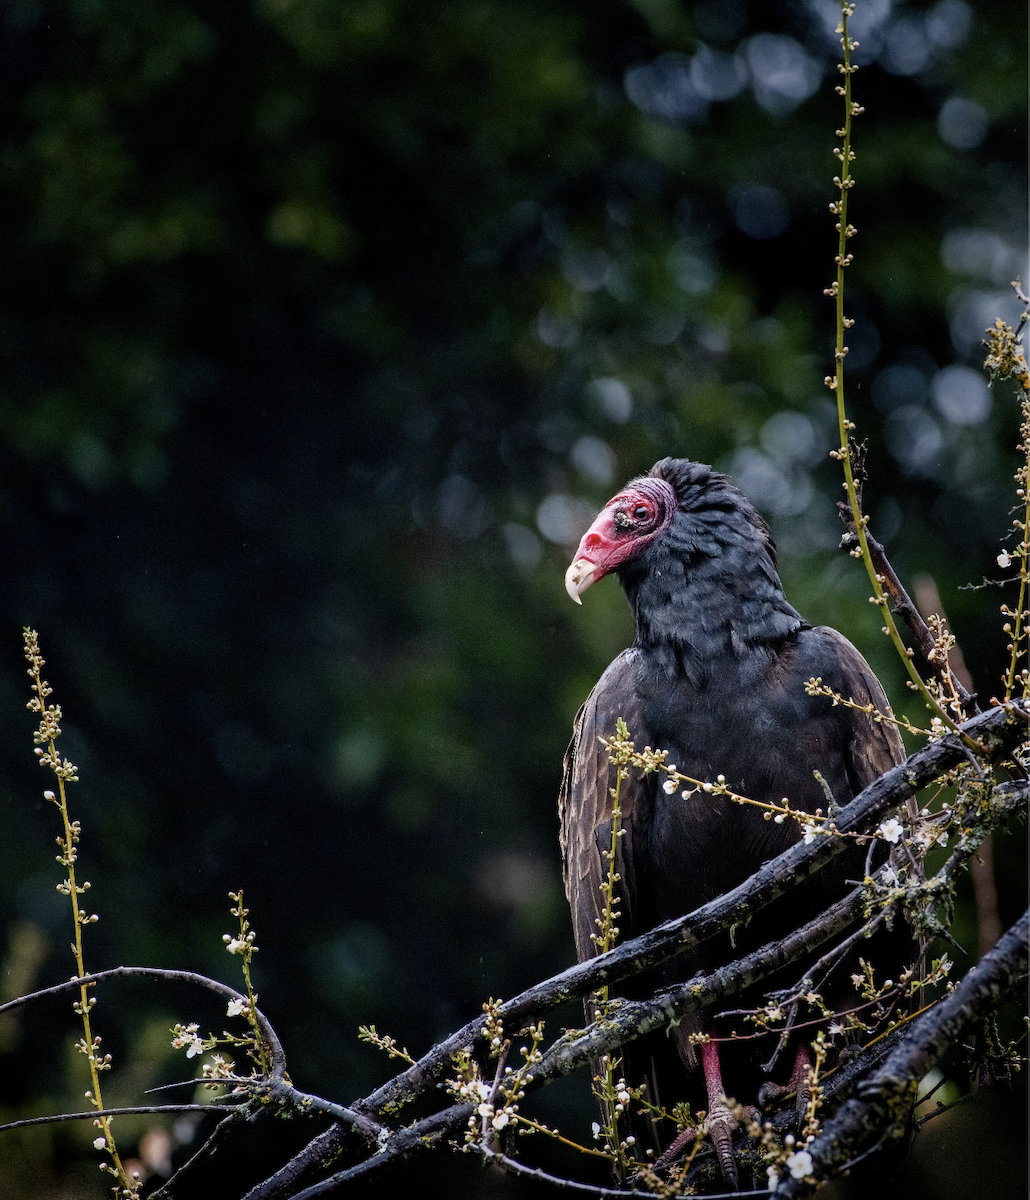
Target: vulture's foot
{"x":770,"y":1092}
{"x":719,"y":1125}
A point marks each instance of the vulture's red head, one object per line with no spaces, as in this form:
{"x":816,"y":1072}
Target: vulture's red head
{"x":627,"y":524}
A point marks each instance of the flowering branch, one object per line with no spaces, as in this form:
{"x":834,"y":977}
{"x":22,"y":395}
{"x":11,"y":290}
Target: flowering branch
{"x":997,"y":730}
{"x":883,"y":580}
{"x":65,"y":772}
{"x":1006,"y":360}
{"x":885,"y":1100}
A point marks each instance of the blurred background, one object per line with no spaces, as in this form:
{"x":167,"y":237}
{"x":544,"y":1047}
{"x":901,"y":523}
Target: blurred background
{"x":325,"y":328}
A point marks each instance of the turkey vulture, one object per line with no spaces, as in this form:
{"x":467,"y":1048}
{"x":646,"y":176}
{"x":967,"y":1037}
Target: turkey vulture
{"x":716,"y":676}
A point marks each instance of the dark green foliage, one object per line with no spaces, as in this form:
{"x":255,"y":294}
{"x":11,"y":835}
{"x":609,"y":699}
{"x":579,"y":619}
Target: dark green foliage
{"x":306,"y":308}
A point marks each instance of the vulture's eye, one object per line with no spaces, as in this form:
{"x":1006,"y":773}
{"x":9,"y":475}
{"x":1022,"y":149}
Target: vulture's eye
{"x":641,"y":512}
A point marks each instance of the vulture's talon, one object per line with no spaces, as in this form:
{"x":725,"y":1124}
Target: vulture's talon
{"x":798,"y":1083}
{"x":720,"y":1125}
{"x":770,"y":1092}
{"x":678,"y":1146}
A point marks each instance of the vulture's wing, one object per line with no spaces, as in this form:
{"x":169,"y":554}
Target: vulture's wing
{"x":874,"y":746}
{"x":585,"y":808}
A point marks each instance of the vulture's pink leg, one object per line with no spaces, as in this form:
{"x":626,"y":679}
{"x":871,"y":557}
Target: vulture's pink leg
{"x":799,"y":1078}
{"x":721,"y":1122}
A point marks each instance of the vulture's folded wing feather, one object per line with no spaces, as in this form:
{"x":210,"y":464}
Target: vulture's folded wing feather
{"x":874,"y":747}
{"x":585,"y":807}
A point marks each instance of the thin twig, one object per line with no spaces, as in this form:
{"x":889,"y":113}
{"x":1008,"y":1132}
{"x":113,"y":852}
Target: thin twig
{"x":602,"y":1193}
{"x":941,"y":1108}
{"x":217,"y":1135}
{"x":223,"y":989}
{"x":136,"y":1110}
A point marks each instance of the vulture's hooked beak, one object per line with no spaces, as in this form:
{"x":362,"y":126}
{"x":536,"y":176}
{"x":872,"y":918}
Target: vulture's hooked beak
{"x":580,"y":575}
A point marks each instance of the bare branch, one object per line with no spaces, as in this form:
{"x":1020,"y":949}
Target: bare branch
{"x":423,"y":1135}
{"x":223,"y":989}
{"x":586,"y":1189}
{"x":216,"y":1137}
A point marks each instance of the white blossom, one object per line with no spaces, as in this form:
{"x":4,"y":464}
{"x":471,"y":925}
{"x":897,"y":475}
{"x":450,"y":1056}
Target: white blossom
{"x":800,"y":1164}
{"x":891,"y":829}
{"x":236,"y":1008}
{"x":100,"y":1143}
{"x":1004,"y":559}
{"x":186,"y":1037}
{"x":669,"y":786}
